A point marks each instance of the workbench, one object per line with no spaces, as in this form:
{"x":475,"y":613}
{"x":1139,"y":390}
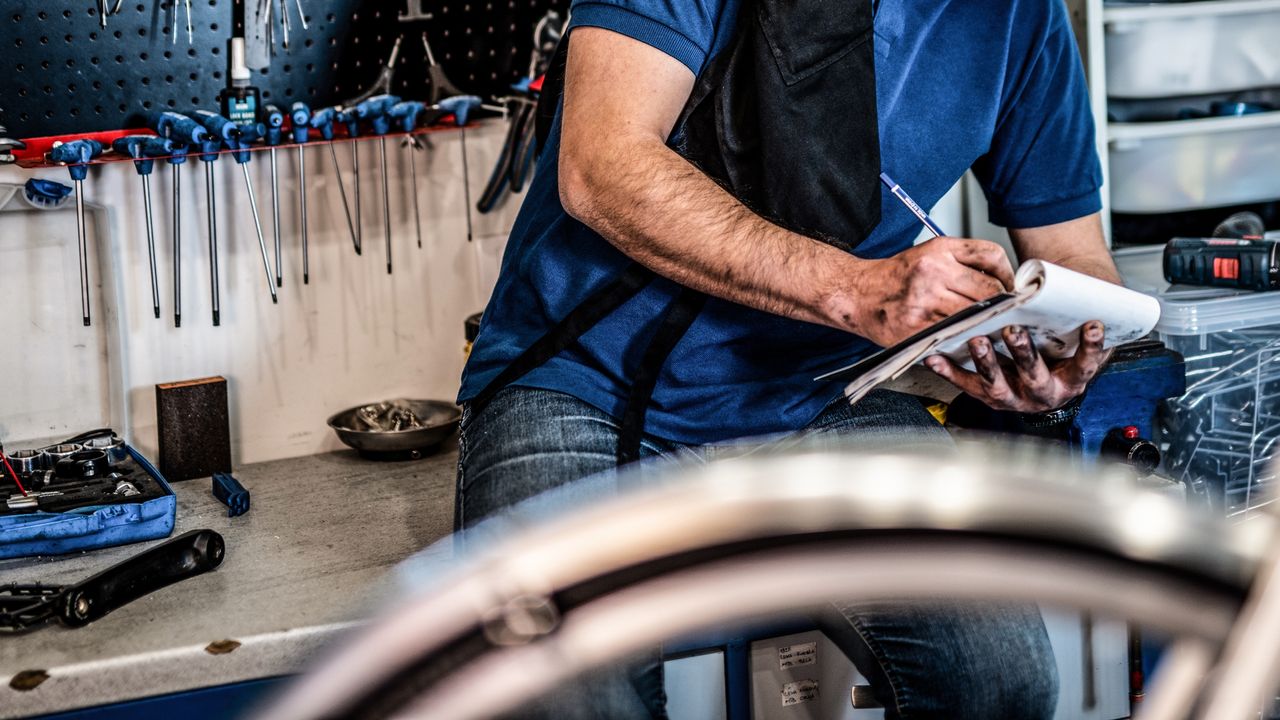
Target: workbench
{"x":308,"y":562}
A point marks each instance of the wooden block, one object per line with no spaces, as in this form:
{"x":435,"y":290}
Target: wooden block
{"x":194,"y":428}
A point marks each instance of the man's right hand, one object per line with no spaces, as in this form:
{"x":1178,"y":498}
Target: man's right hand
{"x":898,"y":296}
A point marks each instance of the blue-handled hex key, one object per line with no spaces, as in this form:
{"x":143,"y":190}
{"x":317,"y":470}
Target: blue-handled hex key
{"x":323,"y":121}
{"x":76,"y":156}
{"x":144,"y":149}
{"x":274,"y":120}
{"x":375,"y":109}
{"x":300,"y":117}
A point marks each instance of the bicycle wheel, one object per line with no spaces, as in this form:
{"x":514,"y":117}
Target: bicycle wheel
{"x":744,"y":539}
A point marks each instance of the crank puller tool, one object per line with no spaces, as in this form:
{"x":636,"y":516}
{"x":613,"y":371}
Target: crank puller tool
{"x":375,"y":110}
{"x":144,"y":149}
{"x":76,"y":156}
{"x":27,"y":606}
{"x":323,"y":120}
{"x":300,"y":117}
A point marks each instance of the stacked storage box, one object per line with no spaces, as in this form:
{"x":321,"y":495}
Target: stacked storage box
{"x":1206,"y":72}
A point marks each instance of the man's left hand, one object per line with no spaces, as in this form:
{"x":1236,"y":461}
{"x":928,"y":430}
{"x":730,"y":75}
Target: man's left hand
{"x":1026,"y":383}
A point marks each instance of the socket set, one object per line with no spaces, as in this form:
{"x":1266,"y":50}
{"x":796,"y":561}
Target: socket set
{"x":93,"y":490}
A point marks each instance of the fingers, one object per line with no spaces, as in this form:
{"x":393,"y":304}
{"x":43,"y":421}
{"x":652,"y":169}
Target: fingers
{"x":975,"y":286}
{"x":988,"y":382}
{"x":1031,"y":368}
{"x":1089,"y":357}
{"x":986,"y":256}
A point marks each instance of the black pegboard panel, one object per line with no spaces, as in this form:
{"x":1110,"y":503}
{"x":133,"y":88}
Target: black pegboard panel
{"x":62,"y":73}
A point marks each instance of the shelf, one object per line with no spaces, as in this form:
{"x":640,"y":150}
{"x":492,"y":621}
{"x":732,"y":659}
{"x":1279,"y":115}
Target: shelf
{"x":1139,"y":12}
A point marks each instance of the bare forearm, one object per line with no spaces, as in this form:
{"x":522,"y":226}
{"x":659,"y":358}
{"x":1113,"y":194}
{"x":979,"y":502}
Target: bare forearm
{"x":1076,"y":244}
{"x":617,"y":176}
{"x":662,"y":211}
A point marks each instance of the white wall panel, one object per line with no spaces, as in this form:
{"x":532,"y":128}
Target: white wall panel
{"x":354,"y":334}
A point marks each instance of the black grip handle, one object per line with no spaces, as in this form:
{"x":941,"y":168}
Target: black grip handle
{"x":190,"y":554}
{"x":1248,"y":263}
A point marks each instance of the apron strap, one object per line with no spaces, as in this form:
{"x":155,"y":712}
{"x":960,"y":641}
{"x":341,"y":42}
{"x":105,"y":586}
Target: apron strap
{"x":675,"y":323}
{"x":574,"y":325}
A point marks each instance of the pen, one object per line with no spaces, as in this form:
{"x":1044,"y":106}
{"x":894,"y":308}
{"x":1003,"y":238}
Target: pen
{"x":919,"y":212}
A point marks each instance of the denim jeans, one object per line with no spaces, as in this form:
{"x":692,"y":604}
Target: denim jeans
{"x":545,"y":451}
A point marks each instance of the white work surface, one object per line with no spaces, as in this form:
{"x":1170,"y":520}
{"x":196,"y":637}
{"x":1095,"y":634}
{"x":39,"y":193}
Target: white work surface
{"x":308,"y":561}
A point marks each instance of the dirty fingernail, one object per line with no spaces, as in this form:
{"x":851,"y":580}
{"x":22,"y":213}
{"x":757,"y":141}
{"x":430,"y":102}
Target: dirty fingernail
{"x":980,"y":349}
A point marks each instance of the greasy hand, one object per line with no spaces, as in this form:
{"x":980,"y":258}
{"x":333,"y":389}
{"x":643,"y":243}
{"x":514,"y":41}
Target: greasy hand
{"x":904,"y":294}
{"x":1026,"y":383}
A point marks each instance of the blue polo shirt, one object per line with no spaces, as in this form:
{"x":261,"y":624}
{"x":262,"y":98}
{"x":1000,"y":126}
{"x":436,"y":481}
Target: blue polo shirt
{"x":993,"y":85}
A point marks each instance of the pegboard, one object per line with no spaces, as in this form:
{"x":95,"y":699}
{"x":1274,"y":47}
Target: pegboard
{"x":61,"y":73}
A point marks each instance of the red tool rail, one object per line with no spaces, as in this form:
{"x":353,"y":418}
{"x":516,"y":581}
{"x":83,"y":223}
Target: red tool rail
{"x":35,"y":154}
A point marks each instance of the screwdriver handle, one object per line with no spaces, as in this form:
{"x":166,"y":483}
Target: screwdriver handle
{"x":300,"y":117}
{"x":176,"y":126}
{"x":216,"y":125}
{"x":136,"y":147}
{"x":274,"y":120}
{"x":76,"y":154}
{"x":460,"y":106}
{"x":407,"y":113}
{"x":323,"y":120}
{"x":348,"y":117}
{"x":375,"y":110}
{"x":245,"y":134}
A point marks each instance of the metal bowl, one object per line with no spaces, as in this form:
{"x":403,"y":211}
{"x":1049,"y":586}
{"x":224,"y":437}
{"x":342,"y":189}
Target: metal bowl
{"x":441,"y":420}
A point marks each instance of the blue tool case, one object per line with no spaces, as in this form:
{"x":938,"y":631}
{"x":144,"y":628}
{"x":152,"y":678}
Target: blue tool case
{"x":80,"y":496}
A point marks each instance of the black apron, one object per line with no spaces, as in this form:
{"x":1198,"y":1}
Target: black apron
{"x":785,"y":120}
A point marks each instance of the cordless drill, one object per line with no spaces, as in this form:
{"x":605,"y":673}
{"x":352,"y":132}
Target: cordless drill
{"x":1237,"y":256}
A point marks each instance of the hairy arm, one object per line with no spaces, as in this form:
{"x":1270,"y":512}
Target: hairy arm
{"x":617,"y":176}
{"x":1076,"y":244}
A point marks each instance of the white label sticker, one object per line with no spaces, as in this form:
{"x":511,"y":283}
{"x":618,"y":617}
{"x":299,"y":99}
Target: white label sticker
{"x":796,"y":655}
{"x":800,"y":691}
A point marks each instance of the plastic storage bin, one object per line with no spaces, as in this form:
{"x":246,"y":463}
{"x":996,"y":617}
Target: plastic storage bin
{"x":1191,"y":48}
{"x":1224,"y":433}
{"x":1194,"y":164}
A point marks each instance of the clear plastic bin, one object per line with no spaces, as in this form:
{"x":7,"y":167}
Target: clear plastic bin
{"x":1223,"y":434}
{"x":1193,"y":164}
{"x":1191,"y":48}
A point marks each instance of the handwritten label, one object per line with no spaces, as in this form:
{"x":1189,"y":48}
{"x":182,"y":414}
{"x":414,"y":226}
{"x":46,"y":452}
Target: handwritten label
{"x":796,"y":655}
{"x":800,"y":691}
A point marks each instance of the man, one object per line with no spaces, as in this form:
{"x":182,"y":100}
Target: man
{"x":646,"y":305}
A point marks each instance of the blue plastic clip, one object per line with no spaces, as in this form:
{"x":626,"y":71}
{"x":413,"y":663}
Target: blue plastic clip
{"x":231,"y":493}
